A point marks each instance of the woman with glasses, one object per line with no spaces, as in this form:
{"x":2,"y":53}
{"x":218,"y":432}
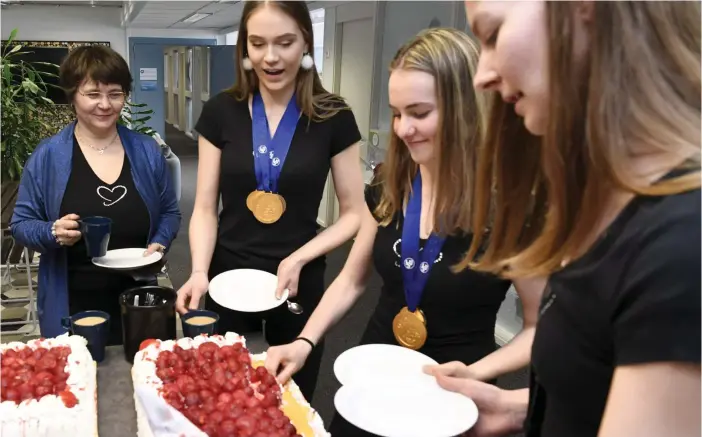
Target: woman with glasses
{"x":93,"y":167}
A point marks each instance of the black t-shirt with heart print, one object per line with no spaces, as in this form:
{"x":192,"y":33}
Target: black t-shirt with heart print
{"x":87,"y":195}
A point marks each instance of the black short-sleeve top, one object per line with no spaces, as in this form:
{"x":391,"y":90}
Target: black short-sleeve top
{"x":226,"y":123}
{"x":634,"y":298}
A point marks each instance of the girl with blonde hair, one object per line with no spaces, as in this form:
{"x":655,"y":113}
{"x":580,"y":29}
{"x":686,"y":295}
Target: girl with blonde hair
{"x":417,"y":227}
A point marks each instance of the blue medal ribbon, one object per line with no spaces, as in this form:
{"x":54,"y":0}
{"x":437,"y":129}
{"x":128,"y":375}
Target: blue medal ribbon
{"x":416,"y":264}
{"x":270,"y":153}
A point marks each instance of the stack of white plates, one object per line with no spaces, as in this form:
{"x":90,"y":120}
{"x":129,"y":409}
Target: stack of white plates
{"x":385,"y":392}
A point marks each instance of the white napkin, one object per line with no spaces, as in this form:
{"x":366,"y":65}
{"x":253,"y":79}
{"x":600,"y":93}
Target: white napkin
{"x":164,"y":420}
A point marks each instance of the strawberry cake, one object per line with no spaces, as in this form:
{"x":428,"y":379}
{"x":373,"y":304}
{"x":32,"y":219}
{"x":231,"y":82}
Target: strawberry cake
{"x":222,"y":389}
{"x":48,"y":388}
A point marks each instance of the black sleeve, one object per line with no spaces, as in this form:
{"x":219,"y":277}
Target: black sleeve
{"x":209,"y":124}
{"x":657,"y":315}
{"x":345,"y":131}
{"x":373,"y":193}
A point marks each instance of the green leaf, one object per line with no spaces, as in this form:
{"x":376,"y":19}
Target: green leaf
{"x":30,"y":86}
{"x":13,"y":34}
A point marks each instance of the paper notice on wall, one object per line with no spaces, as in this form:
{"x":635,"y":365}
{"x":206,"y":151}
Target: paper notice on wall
{"x":148,"y":74}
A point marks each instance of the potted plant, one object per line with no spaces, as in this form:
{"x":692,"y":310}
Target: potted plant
{"x":23,"y":92}
{"x":134,"y":116}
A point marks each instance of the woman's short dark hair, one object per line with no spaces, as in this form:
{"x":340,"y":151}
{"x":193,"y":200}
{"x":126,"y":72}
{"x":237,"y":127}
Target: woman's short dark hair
{"x":98,"y":63}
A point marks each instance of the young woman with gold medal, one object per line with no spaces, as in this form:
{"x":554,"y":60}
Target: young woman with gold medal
{"x":416,"y":228}
{"x":266,"y":147}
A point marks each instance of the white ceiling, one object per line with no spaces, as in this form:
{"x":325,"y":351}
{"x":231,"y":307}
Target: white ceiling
{"x":151,"y":14}
{"x":169,"y":14}
{"x":93,"y":3}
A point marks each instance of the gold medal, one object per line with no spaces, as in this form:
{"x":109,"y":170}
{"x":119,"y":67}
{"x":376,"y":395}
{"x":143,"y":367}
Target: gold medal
{"x":410,"y":328}
{"x":251,"y":199}
{"x":268,"y":208}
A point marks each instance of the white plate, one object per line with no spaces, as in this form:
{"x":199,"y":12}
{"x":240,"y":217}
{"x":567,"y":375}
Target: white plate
{"x":382,"y":362}
{"x":402,"y":410}
{"x":127,"y":259}
{"x":246,"y":290}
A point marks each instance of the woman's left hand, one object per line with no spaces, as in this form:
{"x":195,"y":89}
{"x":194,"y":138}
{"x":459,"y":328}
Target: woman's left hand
{"x":153,"y":247}
{"x":288,"y":276}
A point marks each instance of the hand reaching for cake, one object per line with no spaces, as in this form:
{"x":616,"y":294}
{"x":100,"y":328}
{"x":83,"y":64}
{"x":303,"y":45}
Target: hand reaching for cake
{"x":283,"y":361}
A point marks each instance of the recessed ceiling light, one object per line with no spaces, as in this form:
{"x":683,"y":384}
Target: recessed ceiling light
{"x":195,"y":17}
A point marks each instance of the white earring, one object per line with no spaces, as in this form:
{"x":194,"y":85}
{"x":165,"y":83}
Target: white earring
{"x":307,"y":62}
{"x":246,"y":64}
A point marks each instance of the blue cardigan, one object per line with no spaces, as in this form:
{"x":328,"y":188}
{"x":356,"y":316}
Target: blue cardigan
{"x":41,"y":191}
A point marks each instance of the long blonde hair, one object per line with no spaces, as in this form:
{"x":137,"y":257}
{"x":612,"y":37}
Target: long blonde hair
{"x":544,"y":196}
{"x":314,"y":100}
{"x":451,"y":57}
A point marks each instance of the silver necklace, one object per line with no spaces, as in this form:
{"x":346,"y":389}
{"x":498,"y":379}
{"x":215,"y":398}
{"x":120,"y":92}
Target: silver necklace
{"x":99,"y":150}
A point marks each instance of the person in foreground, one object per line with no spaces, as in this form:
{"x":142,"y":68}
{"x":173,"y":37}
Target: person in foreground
{"x":437,"y":124}
{"x":93,"y":167}
{"x":609,"y":93}
{"x":270,"y":198}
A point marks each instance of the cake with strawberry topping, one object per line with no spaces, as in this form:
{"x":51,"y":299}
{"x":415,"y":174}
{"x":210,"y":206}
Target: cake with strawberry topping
{"x":222,"y":389}
{"x":48,"y":388}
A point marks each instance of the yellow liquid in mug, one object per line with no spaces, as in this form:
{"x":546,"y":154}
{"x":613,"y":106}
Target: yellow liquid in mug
{"x":200,"y":320}
{"x":90,"y":321}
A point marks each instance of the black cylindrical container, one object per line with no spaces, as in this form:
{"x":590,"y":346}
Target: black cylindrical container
{"x":154,"y":316}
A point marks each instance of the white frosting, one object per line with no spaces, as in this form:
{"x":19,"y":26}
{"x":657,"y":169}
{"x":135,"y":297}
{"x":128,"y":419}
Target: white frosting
{"x":144,"y":372}
{"x":49,"y":416}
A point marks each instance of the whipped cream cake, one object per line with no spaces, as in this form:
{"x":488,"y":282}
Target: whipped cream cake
{"x":222,"y":389}
{"x":48,"y":388}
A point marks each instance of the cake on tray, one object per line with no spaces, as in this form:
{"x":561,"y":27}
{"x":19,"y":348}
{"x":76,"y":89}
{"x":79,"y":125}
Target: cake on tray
{"x":48,"y":388}
{"x":222,"y":389}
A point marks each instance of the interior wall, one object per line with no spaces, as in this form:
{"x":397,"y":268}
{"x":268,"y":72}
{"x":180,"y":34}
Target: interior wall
{"x":65,"y":23}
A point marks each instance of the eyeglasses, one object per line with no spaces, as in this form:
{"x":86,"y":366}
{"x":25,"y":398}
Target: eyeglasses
{"x":112,"y":96}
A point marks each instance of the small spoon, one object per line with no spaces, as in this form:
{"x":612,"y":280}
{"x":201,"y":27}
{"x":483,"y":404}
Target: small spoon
{"x":294,"y":307}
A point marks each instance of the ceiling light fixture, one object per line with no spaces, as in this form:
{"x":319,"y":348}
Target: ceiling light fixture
{"x":195,"y":17}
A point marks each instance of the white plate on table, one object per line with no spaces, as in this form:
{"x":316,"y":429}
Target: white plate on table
{"x":383,"y":362}
{"x":246,"y":290}
{"x":127,"y":259}
{"x":405,"y":410}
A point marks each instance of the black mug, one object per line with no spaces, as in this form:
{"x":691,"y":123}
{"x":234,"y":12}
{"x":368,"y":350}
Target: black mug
{"x":93,"y":330}
{"x":96,"y":234}
{"x":207,"y":325}
{"x":147,"y":312}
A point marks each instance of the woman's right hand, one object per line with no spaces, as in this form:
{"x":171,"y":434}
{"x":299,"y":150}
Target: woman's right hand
{"x":283,"y":361}
{"x":65,"y":230}
{"x":191,"y":292}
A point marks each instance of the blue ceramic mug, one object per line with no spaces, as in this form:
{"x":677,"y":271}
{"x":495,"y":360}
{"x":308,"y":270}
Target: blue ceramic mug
{"x":196,"y":322}
{"x":94,"y":326}
{"x":96,"y":234}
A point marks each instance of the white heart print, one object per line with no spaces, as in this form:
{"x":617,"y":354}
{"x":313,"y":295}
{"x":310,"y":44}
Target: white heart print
{"x":111,"y":195}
